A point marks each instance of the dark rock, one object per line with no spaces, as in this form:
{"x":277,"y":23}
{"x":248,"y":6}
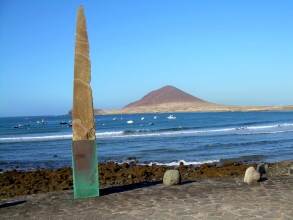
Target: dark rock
{"x":262,"y":168}
{"x":131,"y":158}
{"x":125,"y":165}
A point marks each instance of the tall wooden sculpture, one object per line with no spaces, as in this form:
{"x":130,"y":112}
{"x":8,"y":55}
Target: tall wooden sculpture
{"x":84,"y":160}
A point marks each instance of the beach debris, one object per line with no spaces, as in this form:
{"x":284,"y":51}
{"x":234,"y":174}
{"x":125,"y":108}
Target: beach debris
{"x":171,"y":177}
{"x":114,"y":119}
{"x":155,"y":117}
{"x":262,"y":168}
{"x":151,"y":123}
{"x":251,"y":175}
{"x":129,"y":122}
{"x":85,"y":176}
{"x":142,"y":118}
{"x":170,"y":117}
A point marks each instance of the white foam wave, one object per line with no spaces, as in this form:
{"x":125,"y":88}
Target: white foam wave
{"x":53,"y":137}
{"x":177,"y":163}
{"x":256,"y":129}
{"x":35,"y":138}
{"x":273,"y":132}
{"x":109,"y":133}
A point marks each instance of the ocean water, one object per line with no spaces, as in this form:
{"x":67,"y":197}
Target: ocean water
{"x":195,"y":138}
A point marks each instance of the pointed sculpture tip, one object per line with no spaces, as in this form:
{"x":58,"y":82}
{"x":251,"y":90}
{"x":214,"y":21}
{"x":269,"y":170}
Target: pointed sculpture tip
{"x":81,"y":17}
{"x":81,"y":10}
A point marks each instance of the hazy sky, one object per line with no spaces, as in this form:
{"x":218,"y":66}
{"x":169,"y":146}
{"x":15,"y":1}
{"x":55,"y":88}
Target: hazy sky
{"x":229,"y":52}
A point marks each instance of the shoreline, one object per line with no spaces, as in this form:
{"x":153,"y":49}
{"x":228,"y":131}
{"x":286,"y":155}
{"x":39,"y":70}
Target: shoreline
{"x":18,"y":183}
{"x":110,"y":112}
{"x":160,"y":109}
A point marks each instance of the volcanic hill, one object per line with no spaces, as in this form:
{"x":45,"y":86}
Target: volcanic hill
{"x":171,"y":99}
{"x":166,"y":94}
{"x":168,"y":99}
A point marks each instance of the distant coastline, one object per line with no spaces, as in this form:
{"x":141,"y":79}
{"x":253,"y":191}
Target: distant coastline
{"x":170,"y":99}
{"x":184,"y":109}
{"x":177,"y":108}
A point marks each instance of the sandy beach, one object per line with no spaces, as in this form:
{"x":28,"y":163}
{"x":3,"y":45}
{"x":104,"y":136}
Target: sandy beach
{"x":130,"y":191}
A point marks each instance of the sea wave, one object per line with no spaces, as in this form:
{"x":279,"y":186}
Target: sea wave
{"x":54,"y":137}
{"x":269,"y":126}
{"x":177,"y":163}
{"x":178,"y":131}
{"x":35,"y":138}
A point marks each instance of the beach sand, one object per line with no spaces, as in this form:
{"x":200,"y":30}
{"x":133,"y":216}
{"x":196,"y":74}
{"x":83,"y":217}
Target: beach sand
{"x":214,"y":191}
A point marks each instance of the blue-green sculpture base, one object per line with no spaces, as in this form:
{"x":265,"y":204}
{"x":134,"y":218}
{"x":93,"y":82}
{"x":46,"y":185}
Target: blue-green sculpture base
{"x":85,"y":169}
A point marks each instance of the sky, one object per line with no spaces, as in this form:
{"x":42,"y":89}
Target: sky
{"x":227,"y":52}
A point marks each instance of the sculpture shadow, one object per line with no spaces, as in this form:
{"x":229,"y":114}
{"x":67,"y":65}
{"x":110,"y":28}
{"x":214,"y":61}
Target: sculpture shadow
{"x":11,"y":203}
{"x":125,"y":188}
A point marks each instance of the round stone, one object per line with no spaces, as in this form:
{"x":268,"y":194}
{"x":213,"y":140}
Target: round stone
{"x":251,"y":175}
{"x":171,"y":177}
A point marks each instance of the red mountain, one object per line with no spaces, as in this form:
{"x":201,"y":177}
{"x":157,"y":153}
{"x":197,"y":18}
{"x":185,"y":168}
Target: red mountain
{"x":166,"y":94}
